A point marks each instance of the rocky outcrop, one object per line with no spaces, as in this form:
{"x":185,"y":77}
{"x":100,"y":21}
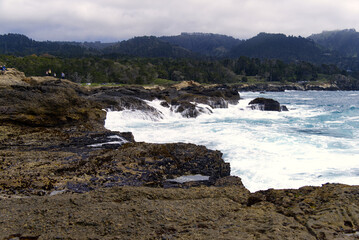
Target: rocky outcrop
{"x":338,"y":82}
{"x":304,"y":86}
{"x":46,"y":102}
{"x":52,"y":138}
{"x":345,"y":82}
{"x":267,"y":104}
{"x":184,"y":98}
{"x":38,"y":161}
{"x":69,"y":178}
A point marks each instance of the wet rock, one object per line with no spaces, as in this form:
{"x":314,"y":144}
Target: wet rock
{"x":187,"y":109}
{"x":265,"y":104}
{"x":183,"y":98}
{"x":215,"y":96}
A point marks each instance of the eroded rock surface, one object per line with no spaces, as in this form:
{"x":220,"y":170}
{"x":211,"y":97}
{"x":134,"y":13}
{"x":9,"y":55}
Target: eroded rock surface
{"x":228,"y":212}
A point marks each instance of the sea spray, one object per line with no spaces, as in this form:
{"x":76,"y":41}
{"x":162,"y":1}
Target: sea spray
{"x":315,"y":142}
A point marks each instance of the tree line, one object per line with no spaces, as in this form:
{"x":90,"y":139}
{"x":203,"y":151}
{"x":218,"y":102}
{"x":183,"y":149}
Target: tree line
{"x":134,"y":70}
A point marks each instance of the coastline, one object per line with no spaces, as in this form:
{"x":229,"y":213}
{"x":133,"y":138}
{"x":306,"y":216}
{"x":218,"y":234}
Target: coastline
{"x":55,"y":185}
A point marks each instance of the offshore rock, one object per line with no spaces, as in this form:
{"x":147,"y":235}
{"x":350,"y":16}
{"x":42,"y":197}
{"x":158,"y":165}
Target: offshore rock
{"x":265,"y":104}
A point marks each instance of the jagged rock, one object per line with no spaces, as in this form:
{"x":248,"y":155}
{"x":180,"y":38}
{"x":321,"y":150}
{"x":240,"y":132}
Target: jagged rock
{"x":183,"y":99}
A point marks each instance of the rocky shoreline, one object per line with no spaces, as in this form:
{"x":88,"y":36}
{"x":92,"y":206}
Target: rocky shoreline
{"x":64,"y":176}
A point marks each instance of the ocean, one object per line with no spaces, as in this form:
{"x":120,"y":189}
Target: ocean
{"x":315,"y":142}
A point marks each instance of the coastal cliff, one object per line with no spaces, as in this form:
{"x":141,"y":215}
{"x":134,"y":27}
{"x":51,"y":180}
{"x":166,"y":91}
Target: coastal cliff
{"x":64,"y":176}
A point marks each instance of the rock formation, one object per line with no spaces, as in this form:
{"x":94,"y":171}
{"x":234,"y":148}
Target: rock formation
{"x":183,"y":100}
{"x":55,"y":124}
{"x":63,"y":176}
{"x":267,"y":104}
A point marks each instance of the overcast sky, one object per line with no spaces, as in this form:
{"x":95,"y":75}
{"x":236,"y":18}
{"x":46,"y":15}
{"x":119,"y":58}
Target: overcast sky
{"x":113,"y":20}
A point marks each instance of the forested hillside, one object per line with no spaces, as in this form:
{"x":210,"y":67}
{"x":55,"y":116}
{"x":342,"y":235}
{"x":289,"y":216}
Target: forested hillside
{"x":280,"y":46}
{"x":205,"y":58}
{"x":206,"y":44}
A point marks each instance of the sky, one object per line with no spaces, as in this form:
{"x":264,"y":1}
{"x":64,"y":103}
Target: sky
{"x":116,"y":20}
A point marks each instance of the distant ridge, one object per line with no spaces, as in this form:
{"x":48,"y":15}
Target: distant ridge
{"x":207,"y":44}
{"x":280,"y":46}
{"x":148,"y":46}
{"x":340,"y":47}
{"x":345,"y":42}
{"x":21,"y":45}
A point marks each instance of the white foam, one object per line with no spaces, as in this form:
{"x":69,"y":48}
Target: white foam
{"x":265,"y":149}
{"x":189,"y":178}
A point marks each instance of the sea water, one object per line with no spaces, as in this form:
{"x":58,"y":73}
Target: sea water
{"x":315,"y":142}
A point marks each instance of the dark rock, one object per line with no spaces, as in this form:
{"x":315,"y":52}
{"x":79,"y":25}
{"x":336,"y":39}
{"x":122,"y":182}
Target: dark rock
{"x":265,"y":104}
{"x":183,"y":100}
{"x":216,"y":97}
{"x":165,"y":104}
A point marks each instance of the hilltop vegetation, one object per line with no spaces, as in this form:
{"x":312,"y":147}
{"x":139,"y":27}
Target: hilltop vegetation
{"x":148,"y":70}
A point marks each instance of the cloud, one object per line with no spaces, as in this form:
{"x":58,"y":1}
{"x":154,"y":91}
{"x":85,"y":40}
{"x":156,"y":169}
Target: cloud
{"x":112,"y":20}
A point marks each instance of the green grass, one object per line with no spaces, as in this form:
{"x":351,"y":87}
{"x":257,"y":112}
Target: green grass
{"x":158,"y":81}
